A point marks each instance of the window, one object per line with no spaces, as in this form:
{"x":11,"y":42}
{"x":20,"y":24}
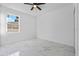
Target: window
{"x":13,"y":23}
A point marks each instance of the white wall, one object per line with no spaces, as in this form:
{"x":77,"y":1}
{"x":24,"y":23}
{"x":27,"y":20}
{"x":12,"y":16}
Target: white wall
{"x":57,"y":26}
{"x":27,"y":27}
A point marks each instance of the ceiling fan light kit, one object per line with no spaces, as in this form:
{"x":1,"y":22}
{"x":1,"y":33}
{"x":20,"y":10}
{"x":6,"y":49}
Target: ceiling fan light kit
{"x":34,"y":6}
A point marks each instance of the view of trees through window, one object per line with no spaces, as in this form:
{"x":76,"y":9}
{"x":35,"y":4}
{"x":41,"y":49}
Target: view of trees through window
{"x":12,"y":23}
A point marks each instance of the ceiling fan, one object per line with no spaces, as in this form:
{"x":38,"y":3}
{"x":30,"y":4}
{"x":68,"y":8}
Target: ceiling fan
{"x":35,"y":5}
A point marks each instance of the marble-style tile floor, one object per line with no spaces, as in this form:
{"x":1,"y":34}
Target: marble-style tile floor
{"x":37,"y":47}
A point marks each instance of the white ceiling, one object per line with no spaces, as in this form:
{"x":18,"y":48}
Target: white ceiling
{"x":45,"y":8}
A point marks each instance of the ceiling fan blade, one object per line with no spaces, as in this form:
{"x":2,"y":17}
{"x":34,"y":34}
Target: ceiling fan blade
{"x":39,"y":8}
{"x":28,"y":3}
{"x":38,"y":3}
{"x":32,"y":8}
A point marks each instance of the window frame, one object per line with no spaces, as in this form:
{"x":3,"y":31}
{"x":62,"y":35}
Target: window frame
{"x":18,"y":24}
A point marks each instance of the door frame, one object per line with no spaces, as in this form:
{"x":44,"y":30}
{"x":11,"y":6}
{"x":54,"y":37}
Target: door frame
{"x":75,"y":13}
